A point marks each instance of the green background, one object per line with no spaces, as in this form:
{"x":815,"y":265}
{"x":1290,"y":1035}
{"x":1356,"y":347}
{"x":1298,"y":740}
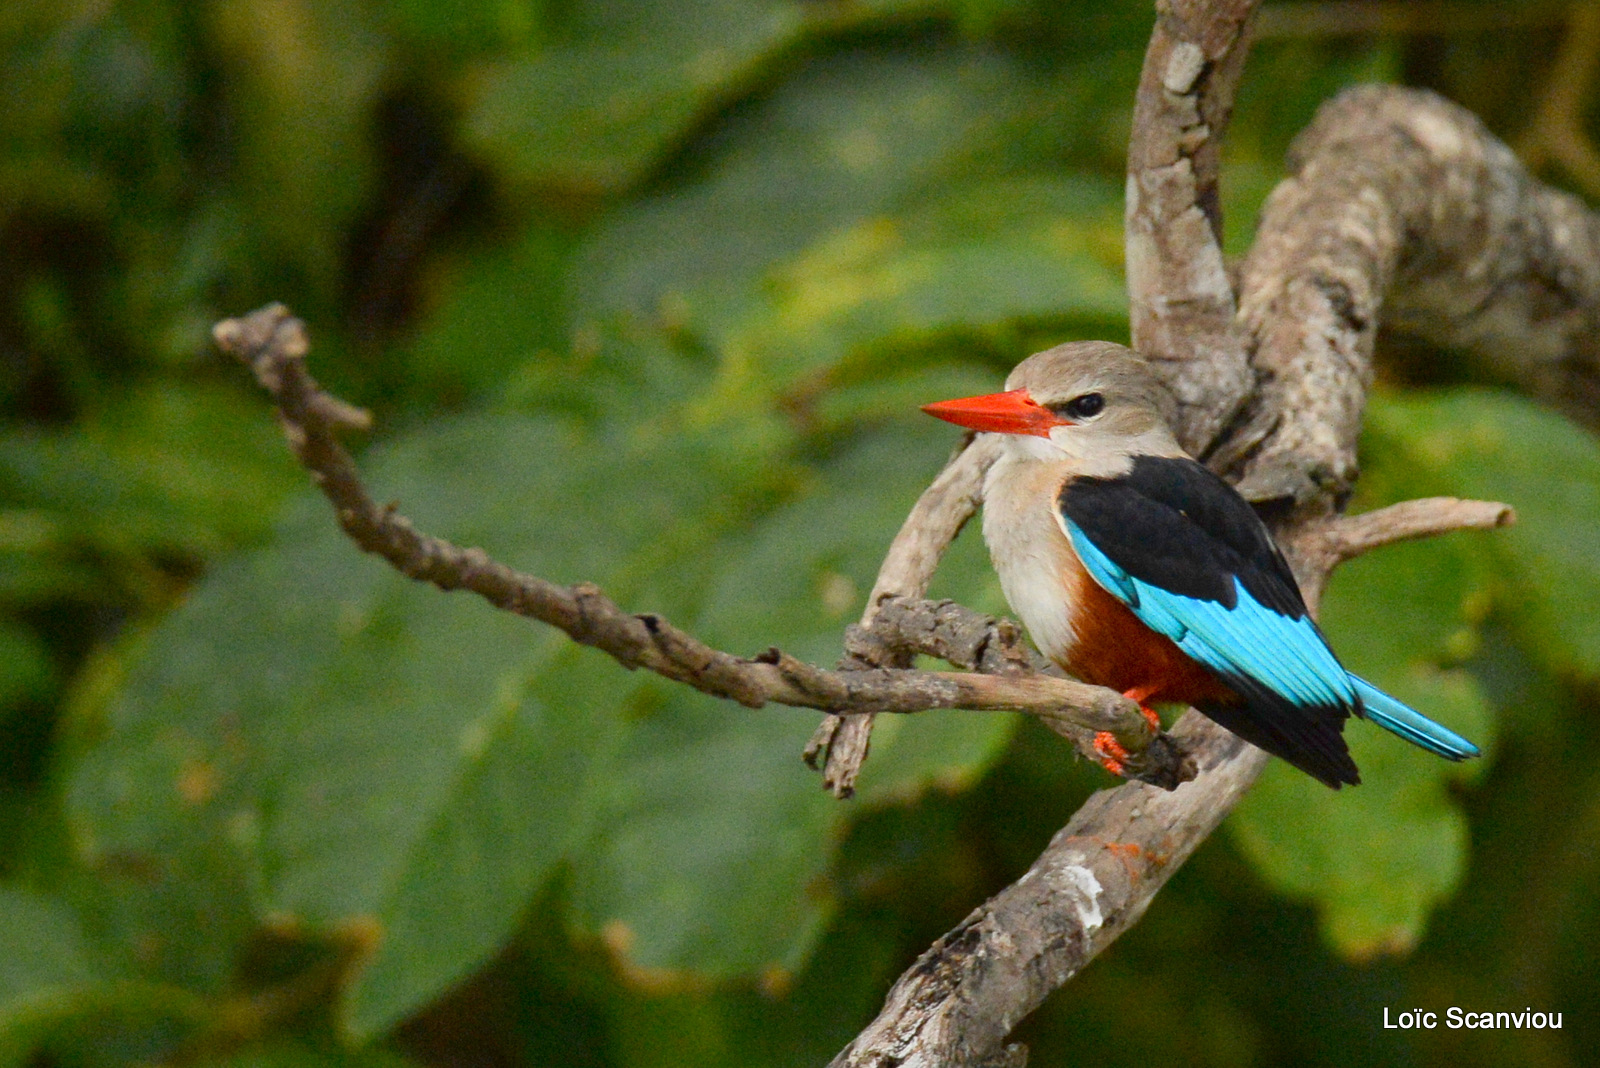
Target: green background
{"x":647,"y":294}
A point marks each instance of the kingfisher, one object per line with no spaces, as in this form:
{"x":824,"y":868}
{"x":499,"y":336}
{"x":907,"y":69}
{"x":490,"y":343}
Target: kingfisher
{"x":1135,"y":567}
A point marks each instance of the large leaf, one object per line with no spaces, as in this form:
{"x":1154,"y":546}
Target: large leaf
{"x":992,"y":252}
{"x":40,"y":946}
{"x":854,"y":137}
{"x":1495,"y":445}
{"x":304,"y":79}
{"x":1378,"y":858}
{"x":314,"y":742}
{"x":168,"y":469}
{"x":55,"y":993}
{"x":714,"y":858}
{"x":596,"y":108}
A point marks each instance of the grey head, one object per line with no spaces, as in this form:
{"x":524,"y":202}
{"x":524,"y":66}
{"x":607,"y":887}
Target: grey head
{"x":1108,"y":403}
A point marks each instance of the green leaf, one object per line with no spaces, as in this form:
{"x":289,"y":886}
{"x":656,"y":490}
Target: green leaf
{"x":26,"y":671}
{"x":55,"y":993}
{"x":466,"y":26}
{"x":595,"y":110}
{"x":1377,"y":858}
{"x":193,"y":469}
{"x":311,"y":740}
{"x":500,"y":312}
{"x":875,"y":205}
{"x":714,"y":857}
{"x":41,"y":946}
{"x":303,"y":83}
{"x":280,"y":1054}
{"x":1497,"y":446}
{"x":994,"y":252}
{"x":853,"y":137}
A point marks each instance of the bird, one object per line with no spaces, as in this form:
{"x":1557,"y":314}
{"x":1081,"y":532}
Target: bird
{"x":1134,"y":566}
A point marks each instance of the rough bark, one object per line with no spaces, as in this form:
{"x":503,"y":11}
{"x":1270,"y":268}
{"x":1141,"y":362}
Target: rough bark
{"x":1181,"y":302}
{"x":1401,"y":205}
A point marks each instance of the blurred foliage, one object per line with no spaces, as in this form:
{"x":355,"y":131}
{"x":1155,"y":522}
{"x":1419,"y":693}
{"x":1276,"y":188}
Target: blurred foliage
{"x":647,"y":294}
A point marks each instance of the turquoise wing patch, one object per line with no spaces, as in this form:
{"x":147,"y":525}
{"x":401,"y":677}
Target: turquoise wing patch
{"x":1287,"y":656}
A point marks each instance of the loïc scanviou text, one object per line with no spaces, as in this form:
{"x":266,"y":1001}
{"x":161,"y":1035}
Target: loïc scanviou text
{"x":1456,"y":1017}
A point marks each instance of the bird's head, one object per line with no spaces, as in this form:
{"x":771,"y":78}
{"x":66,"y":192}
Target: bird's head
{"x":1081,"y":400}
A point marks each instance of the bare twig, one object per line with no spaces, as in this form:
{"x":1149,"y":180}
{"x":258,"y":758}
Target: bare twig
{"x":273,"y":344}
{"x":1328,"y":543}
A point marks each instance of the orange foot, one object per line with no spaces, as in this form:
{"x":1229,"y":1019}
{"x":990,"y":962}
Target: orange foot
{"x":1139,"y":695}
{"x":1111,"y":752}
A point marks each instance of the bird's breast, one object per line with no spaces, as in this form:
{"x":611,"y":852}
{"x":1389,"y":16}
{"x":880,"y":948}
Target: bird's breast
{"x":1071,"y":618}
{"x":1037,"y":568}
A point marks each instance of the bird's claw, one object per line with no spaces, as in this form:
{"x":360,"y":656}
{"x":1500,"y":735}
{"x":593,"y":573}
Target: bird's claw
{"x":1139,"y":695}
{"x":1110,"y":751}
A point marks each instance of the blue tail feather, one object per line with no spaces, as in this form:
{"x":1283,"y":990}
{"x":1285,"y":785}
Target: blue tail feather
{"x":1410,"y":724}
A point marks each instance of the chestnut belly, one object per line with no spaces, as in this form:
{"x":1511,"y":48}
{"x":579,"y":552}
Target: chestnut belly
{"x":1112,"y":648}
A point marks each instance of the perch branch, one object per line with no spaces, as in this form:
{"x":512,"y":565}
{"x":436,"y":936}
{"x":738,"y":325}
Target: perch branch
{"x":841,"y":742}
{"x":273,"y":344}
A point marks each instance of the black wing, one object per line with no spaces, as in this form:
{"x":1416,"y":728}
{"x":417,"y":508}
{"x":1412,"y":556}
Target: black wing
{"x":1193,"y":561}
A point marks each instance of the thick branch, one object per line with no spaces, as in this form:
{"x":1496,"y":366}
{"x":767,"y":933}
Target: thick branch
{"x":273,"y":344}
{"x":1180,"y":298}
{"x":1401,"y":203}
{"x":956,"y":1005}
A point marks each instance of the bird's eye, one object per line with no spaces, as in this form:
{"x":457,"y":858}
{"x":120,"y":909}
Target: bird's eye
{"x":1087,"y":406}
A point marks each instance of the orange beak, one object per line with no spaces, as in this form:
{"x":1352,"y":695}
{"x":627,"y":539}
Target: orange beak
{"x":1012,"y":412}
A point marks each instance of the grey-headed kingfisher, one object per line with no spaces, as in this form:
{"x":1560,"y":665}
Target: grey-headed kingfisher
{"x":1135,"y":567}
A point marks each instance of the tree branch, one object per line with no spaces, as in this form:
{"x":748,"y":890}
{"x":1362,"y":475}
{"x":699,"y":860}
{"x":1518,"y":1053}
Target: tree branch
{"x":956,"y":1005}
{"x":1181,"y":302}
{"x":273,"y":344}
{"x":841,"y":742}
{"x":1402,"y":204}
